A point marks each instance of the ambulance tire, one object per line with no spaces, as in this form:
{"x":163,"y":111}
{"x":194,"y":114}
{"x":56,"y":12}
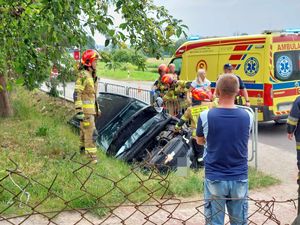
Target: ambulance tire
{"x":280,"y":122}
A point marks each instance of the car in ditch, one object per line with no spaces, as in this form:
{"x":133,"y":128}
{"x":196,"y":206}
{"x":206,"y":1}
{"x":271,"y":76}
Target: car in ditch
{"x":136,"y":132}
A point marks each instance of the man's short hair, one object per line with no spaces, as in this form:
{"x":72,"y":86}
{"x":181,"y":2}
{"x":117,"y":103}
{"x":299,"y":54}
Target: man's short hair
{"x":228,"y":84}
{"x":228,"y":66}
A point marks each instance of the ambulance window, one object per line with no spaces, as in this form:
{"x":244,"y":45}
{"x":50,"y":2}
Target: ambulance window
{"x":178,"y":63}
{"x":287,"y":65}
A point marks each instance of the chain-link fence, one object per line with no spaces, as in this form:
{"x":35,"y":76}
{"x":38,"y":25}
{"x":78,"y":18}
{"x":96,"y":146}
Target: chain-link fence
{"x":159,"y":206}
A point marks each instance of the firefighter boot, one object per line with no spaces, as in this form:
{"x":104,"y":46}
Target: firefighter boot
{"x":82,"y":150}
{"x":92,"y":157}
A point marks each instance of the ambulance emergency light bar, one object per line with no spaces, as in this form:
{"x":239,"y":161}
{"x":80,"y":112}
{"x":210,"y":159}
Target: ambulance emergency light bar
{"x":193,"y":38}
{"x":292,"y":30}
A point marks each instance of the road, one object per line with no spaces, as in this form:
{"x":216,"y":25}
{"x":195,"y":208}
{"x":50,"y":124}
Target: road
{"x":275,"y":135}
{"x":269,"y":133}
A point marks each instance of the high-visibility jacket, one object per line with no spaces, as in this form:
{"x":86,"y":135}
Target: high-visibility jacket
{"x":85,"y":93}
{"x":192,"y":114}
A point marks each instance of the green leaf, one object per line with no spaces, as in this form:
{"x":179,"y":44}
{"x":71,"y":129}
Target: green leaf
{"x":20,"y":81}
{"x":106,"y":42}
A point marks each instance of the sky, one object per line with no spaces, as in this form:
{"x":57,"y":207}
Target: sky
{"x":230,"y":17}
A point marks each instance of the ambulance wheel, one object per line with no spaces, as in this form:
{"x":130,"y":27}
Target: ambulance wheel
{"x":280,"y":121}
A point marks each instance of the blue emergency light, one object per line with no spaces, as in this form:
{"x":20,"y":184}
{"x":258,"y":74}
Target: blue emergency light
{"x":193,"y":38}
{"x":292,"y":30}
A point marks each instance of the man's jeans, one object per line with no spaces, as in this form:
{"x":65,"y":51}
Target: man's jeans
{"x":217,"y":194}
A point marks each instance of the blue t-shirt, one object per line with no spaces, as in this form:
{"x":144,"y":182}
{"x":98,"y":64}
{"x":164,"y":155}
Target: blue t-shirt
{"x":227,"y":133}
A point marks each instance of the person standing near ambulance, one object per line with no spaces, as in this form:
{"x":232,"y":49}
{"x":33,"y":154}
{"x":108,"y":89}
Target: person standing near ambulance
{"x":86,"y":107}
{"x":225,"y":131}
{"x":200,"y":82}
{"x":228,"y":69}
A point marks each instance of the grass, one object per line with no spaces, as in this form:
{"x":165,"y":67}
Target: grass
{"x":130,"y":72}
{"x":40,"y":142}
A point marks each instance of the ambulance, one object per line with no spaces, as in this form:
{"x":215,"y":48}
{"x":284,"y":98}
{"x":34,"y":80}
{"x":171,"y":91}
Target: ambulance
{"x":268,"y":63}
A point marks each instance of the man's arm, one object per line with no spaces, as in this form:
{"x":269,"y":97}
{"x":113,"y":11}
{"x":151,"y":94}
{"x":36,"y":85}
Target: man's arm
{"x":185,"y":117}
{"x":199,"y":132}
{"x":245,"y":93}
{"x":293,"y":118}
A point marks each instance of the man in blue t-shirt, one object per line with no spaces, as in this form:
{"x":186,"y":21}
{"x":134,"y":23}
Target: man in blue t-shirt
{"x":225,"y":132}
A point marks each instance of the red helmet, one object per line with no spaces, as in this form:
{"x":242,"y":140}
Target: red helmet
{"x":89,"y":56}
{"x":199,"y":94}
{"x":167,"y":78}
{"x":163,"y":68}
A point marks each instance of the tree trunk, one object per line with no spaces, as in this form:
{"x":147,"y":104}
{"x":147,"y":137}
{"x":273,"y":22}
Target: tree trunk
{"x":5,"y":105}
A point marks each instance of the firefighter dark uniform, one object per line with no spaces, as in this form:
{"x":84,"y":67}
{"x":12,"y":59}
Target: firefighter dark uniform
{"x":293,"y":125}
{"x":191,"y":116}
{"x":85,"y":105}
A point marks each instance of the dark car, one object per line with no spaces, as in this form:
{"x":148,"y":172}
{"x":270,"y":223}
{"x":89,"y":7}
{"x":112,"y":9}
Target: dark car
{"x":134,"y":131}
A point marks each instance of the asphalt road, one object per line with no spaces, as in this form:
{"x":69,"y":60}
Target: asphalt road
{"x":269,"y":133}
{"x":275,"y":135}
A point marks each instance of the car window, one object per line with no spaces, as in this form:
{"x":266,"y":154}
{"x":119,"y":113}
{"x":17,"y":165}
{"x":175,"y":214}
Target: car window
{"x":135,"y":136}
{"x":107,"y":134}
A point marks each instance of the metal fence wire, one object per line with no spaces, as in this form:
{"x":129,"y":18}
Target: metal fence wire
{"x":159,"y":206}
{"x":22,"y":205}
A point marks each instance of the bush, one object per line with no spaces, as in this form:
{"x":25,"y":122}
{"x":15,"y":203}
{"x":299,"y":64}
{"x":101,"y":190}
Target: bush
{"x":122,"y":55}
{"x":127,"y":66}
{"x":125,"y":57}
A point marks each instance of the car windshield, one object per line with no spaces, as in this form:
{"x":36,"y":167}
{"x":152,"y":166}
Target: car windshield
{"x":107,"y":135}
{"x":135,"y":136}
{"x":287,"y":65}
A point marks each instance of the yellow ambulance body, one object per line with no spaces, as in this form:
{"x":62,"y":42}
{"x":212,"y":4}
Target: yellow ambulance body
{"x":269,"y":65}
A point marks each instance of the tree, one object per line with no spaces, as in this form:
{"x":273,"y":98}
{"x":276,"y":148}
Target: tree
{"x":34,"y":33}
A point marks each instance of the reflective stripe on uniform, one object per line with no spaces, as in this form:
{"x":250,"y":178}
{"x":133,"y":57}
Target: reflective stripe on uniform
{"x":86,"y":124}
{"x":194,"y":133}
{"x":292,"y":120}
{"x":91,"y":150}
{"x":195,"y":111}
{"x":88,"y":106}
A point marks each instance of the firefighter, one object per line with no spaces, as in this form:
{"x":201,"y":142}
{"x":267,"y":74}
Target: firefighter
{"x":293,"y":129}
{"x":158,"y":87}
{"x":181,"y":90}
{"x":85,"y":103}
{"x":172,"y":69}
{"x":169,"y":97}
{"x":200,"y":103}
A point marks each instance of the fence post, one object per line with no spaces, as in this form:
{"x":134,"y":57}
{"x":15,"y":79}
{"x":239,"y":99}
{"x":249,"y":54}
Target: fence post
{"x":105,"y":87}
{"x":127,"y":90}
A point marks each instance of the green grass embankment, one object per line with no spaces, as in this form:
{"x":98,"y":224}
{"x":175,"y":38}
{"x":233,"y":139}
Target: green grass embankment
{"x":39,"y":140}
